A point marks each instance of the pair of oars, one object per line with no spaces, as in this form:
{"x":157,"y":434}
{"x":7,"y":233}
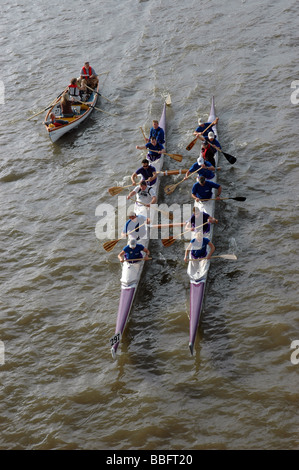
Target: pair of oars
{"x":174,"y":156}
{"x":114,"y":190}
{"x":49,"y":106}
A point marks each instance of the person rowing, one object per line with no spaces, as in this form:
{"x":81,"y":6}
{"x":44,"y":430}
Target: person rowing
{"x":203,"y":168}
{"x":133,"y":251}
{"x":202,"y":126}
{"x":136,"y":225}
{"x":145,"y":196}
{"x":147,"y":171}
{"x":157,"y":132}
{"x":202,"y":189}
{"x":155,"y":149}
{"x":200,"y":220}
{"x":198,"y":248}
{"x":207,"y":152}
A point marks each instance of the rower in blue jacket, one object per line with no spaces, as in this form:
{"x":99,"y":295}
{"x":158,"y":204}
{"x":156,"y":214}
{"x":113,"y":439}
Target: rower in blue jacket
{"x":203,"y":168}
{"x":133,"y":251}
{"x":154,"y":149}
{"x":157,"y":132}
{"x":202,"y":189}
{"x":201,"y":129}
{"x":198,"y":247}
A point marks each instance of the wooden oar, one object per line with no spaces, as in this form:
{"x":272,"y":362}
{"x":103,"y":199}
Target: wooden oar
{"x":169,"y":241}
{"x":237,"y":198}
{"x":108,"y":246}
{"x":145,"y":138}
{"x":228,"y":257}
{"x":98,"y":109}
{"x":191,"y":145}
{"x":175,"y":156}
{"x":137,"y":259}
{"x":48,"y":107}
{"x":169,"y":189}
{"x":170,"y":216}
{"x":230,"y":158}
{"x":97,"y":93}
{"x":118,"y":189}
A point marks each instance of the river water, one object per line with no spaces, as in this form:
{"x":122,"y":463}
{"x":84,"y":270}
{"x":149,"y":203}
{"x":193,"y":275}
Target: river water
{"x":60,"y":388}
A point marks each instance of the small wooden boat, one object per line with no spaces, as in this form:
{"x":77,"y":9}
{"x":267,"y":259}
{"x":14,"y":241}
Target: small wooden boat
{"x":81,"y":112}
{"x":131,"y":273}
{"x":198,"y":270}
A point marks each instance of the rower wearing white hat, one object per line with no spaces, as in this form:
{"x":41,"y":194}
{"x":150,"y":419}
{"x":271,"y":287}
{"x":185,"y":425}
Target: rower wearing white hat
{"x":204,"y":127}
{"x":211,"y":138}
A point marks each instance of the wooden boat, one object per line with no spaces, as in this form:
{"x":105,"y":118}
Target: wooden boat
{"x":81,"y":112}
{"x":198,"y":270}
{"x":131,"y":273}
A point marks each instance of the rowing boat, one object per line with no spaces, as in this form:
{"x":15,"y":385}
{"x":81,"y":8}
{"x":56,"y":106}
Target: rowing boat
{"x":81,"y":112}
{"x":198,"y":270}
{"x":131,"y":273}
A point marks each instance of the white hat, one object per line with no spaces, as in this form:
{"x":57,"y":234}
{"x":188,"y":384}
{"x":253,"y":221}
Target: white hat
{"x":132,"y":243}
{"x":211,"y":135}
{"x":200,"y":160}
{"x":131,"y":214}
{"x":200,"y":121}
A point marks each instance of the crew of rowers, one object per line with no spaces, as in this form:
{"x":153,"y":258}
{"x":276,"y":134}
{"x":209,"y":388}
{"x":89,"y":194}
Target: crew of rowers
{"x":77,"y":92}
{"x":200,"y":221}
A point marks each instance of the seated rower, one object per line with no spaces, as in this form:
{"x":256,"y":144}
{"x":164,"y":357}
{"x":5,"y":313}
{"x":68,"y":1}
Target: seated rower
{"x":88,"y":76}
{"x":203,"y":168}
{"x":144,"y":194}
{"x":201,"y":129}
{"x":136,"y":225}
{"x":198,"y":247}
{"x":202,"y":189}
{"x":54,"y":121}
{"x":155,"y":149}
{"x":133,"y":251}
{"x":66,"y":106}
{"x":157,"y":132}
{"x":148,"y":173}
{"x":200,"y":221}
{"x":207,"y":152}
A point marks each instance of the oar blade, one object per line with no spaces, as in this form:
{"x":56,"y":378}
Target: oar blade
{"x":239,"y":198}
{"x":115,"y":190}
{"x":170,"y":188}
{"x":229,"y":257}
{"x":191,"y":145}
{"x":168,"y":241}
{"x":230,"y":158}
{"x":108,"y":246}
{"x":175,"y":156}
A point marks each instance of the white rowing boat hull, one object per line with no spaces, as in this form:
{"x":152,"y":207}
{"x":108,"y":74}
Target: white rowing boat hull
{"x":198,"y":270}
{"x":131,"y":272}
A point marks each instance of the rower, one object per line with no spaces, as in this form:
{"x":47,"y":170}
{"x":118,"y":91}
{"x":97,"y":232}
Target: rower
{"x":212,"y":140}
{"x":133,"y":251}
{"x":147,"y":171}
{"x":202,"y":189}
{"x":155,"y":149}
{"x":203,"y":168}
{"x":200,"y":221}
{"x":145,"y":195}
{"x":201,"y":129}
{"x":157,"y":132}
{"x":136,"y":224}
{"x":198,"y":247}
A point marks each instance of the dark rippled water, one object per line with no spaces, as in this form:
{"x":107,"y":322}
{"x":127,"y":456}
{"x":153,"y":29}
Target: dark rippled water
{"x":60,"y":388}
